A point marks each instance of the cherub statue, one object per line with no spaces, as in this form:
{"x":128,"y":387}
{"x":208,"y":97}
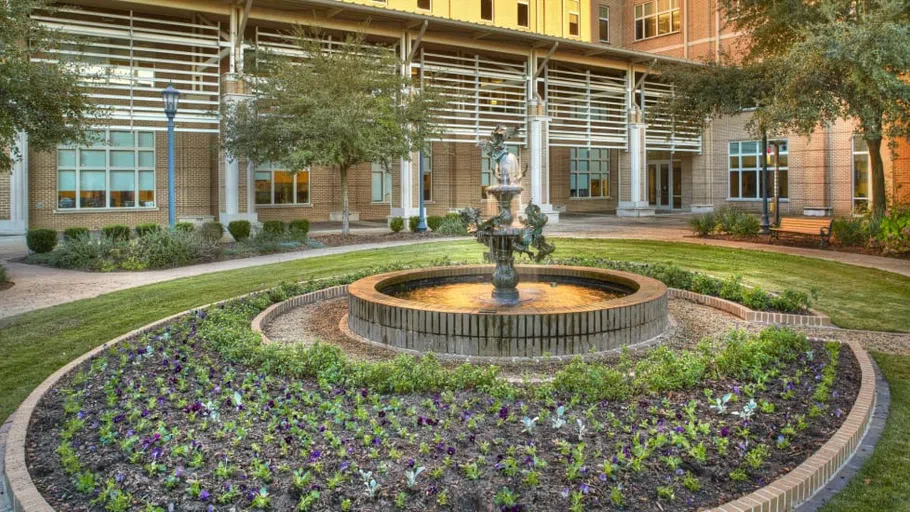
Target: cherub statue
{"x":531,"y":236}
{"x":506,"y":168}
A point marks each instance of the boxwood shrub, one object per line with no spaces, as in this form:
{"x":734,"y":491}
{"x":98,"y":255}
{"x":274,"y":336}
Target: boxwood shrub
{"x":41,"y":240}
{"x":239,"y":229}
{"x":413,"y":222}
{"x":273,"y":227}
{"x":185,"y":227}
{"x":212,"y":232}
{"x":74,"y":233}
{"x":396,"y":224}
{"x":146,"y":229}
{"x":433,"y":222}
{"x":116,"y":232}
{"x":299,"y":229}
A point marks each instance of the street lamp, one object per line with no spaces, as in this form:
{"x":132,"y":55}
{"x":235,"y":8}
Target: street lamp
{"x":171,"y":97}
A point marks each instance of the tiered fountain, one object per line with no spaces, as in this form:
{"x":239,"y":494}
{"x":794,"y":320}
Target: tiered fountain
{"x":507,"y":311}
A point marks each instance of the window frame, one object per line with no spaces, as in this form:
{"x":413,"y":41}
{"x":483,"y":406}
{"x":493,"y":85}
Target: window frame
{"x":577,"y":13}
{"x":640,"y":16}
{"x":106,"y":145}
{"x":527,"y":12}
{"x":605,"y":159}
{"x":492,"y":9}
{"x":425,"y":189}
{"x":854,"y":198}
{"x":429,"y":4}
{"x":603,"y":22}
{"x":740,"y":170}
{"x":377,"y":168}
{"x":272,"y":168}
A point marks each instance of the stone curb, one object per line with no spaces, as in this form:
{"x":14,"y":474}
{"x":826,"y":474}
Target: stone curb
{"x":816,"y":319}
{"x":783,"y":494}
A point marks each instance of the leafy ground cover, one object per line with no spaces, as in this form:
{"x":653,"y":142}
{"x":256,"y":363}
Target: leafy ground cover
{"x":201,"y":416}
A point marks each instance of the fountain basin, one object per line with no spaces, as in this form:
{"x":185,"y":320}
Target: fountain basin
{"x":620,"y":309}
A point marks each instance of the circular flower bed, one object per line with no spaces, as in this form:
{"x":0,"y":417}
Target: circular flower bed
{"x":201,"y":416}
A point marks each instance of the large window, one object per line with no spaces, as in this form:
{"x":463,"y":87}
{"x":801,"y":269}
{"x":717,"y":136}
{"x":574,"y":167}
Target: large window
{"x":425,"y":4}
{"x":589,"y":173}
{"x":381,"y":184}
{"x":656,"y":18}
{"x":862,"y":171}
{"x":573,"y":17}
{"x":486,"y":10}
{"x":524,"y":18}
{"x":603,"y":24}
{"x":487,"y":168}
{"x":117,"y":171}
{"x":274,"y":185}
{"x":745,"y":169}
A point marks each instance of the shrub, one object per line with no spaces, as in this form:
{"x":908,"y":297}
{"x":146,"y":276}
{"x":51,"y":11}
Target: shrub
{"x":596,"y":381}
{"x":299,"y":229}
{"x":893,"y":232}
{"x":433,"y":222}
{"x":186,"y":227}
{"x":396,"y":224}
{"x":73,"y":233}
{"x":850,"y":231}
{"x":87,"y":253}
{"x":706,"y":285}
{"x":746,"y":225}
{"x":239,"y":229}
{"x":453,"y":227}
{"x":41,"y":240}
{"x":146,"y":229}
{"x":728,"y":217}
{"x":667,"y":370}
{"x":792,"y":301}
{"x":4,"y":277}
{"x":704,"y":224}
{"x":116,"y":232}
{"x":166,"y":249}
{"x":273,"y":227}
{"x":732,"y":289}
{"x":413,"y":222}
{"x":756,"y":299}
{"x":212,"y":232}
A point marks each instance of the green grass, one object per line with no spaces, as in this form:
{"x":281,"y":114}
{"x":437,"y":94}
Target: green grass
{"x":882,"y":484}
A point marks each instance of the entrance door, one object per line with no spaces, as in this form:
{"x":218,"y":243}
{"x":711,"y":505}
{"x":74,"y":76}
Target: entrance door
{"x":665,"y":184}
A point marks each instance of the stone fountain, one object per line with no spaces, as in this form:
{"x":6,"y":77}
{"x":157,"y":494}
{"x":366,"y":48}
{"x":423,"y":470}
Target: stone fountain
{"x":504,"y":309}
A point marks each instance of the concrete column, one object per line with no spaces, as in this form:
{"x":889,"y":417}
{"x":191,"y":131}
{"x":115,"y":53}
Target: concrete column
{"x":409,"y":187}
{"x":637,"y":205}
{"x":230,"y":210}
{"x":18,"y":191}
{"x":539,"y":166}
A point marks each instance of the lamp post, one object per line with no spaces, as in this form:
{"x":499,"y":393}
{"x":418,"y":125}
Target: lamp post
{"x":171,"y":97}
{"x":765,"y":222}
{"x":422,"y":214}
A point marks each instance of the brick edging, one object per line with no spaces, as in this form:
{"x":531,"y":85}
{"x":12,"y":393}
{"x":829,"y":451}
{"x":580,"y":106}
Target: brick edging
{"x":816,"y":319}
{"x":279,"y":308}
{"x":783,"y":494}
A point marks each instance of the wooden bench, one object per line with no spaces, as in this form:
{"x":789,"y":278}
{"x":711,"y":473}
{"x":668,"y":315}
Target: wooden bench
{"x":805,"y":226}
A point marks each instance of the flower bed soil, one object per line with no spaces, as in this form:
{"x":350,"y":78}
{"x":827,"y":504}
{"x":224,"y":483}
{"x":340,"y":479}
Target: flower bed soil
{"x":164,"y":421}
{"x":805,"y":242}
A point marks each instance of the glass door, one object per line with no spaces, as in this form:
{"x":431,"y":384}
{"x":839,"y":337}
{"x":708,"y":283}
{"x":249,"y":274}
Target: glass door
{"x":665,"y":185}
{"x":677,"y":185}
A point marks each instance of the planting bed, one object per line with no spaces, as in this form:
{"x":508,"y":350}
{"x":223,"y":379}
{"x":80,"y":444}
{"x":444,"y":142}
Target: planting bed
{"x":200,"y":416}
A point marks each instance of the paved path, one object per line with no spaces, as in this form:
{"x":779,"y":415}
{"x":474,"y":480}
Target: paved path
{"x":39,"y":287}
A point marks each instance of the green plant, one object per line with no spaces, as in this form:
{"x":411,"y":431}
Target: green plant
{"x":146,"y":229}
{"x":452,"y":226}
{"x":212,"y":232}
{"x":166,"y":249}
{"x":893,"y":231}
{"x":851,"y":231}
{"x":72,"y":233}
{"x":413,"y":222}
{"x":116,"y":232}
{"x":239,"y":229}
{"x":396,"y":224}
{"x":186,"y":227}
{"x":703,"y":224}
{"x":299,"y":229}
{"x":433,"y":222}
{"x":273,"y":227}
{"x":757,"y":299}
{"x":4,"y":276}
{"x":87,"y":253}
{"x":746,"y":225}
{"x":41,"y":240}
{"x":792,"y":301}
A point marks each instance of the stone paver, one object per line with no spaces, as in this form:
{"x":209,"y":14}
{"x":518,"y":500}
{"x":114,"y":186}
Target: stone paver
{"x":40,"y":287}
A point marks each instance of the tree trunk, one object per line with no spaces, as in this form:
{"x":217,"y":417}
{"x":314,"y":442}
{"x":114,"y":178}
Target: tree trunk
{"x":879,"y":200}
{"x":345,"y":213}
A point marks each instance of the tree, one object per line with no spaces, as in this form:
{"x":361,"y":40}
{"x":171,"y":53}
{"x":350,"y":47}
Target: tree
{"x":830,"y":60}
{"x":41,"y":98}
{"x":336,"y":107}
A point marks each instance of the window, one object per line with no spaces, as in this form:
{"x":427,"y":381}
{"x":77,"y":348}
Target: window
{"x":862,"y":171}
{"x":426,"y":5}
{"x":573,"y":17}
{"x":427,"y":175}
{"x":275,"y":185}
{"x":381,"y":184}
{"x":589,"y":173}
{"x":656,"y":18}
{"x":118,"y":171}
{"x":745,"y":169}
{"x":603,"y":23}
{"x":487,"y":174}
{"x":486,"y":10}
{"x":524,"y":18}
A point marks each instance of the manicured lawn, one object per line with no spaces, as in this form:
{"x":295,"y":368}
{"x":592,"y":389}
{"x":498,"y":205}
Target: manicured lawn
{"x":35,"y":344}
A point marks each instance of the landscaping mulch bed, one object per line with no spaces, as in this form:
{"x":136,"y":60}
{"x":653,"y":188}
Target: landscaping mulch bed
{"x":165,"y":421}
{"x":7,"y":285}
{"x":803,"y":242}
{"x":338,"y":240}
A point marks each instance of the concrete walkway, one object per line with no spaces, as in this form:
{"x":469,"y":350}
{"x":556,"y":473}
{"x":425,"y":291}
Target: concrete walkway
{"x":40,"y":287}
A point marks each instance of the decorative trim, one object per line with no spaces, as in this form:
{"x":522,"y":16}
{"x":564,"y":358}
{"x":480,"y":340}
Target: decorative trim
{"x":816,"y":319}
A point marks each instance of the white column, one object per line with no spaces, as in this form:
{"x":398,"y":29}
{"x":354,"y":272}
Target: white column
{"x":539,"y":168}
{"x":408,"y":183}
{"x":232,"y":175}
{"x":18,"y":191}
{"x":637,"y":205}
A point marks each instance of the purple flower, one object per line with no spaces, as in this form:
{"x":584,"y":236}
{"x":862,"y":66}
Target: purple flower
{"x":725,"y":432}
{"x":838,"y":413}
{"x":565,"y":492}
{"x":314,"y":455}
{"x":119,"y":477}
{"x":737,"y":390}
{"x":204,"y":495}
{"x":602,"y":477}
{"x":503,"y":413}
{"x":451,"y":450}
{"x":364,"y":393}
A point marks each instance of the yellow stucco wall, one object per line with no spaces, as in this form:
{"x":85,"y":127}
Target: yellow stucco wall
{"x":549,"y":17}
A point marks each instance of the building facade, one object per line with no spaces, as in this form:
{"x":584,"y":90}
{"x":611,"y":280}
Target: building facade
{"x":572,"y":74}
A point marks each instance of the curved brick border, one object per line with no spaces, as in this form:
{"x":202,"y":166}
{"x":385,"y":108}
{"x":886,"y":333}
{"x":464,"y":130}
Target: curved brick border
{"x":816,"y":319}
{"x":268,"y":314}
{"x":784,"y":494}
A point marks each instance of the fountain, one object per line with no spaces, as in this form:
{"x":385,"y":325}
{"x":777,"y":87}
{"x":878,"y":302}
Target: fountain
{"x":503,"y":309}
